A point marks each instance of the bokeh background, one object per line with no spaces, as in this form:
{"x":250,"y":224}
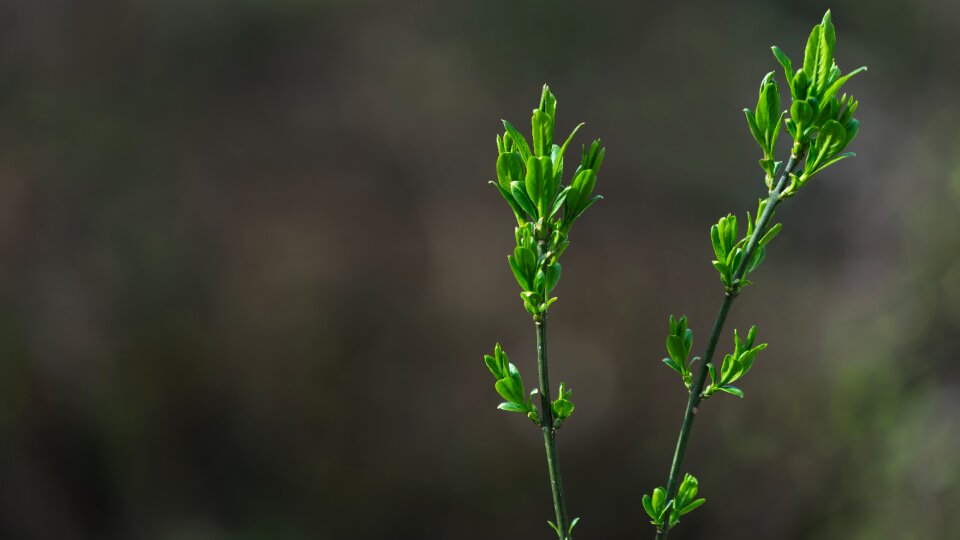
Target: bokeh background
{"x":250,"y":263}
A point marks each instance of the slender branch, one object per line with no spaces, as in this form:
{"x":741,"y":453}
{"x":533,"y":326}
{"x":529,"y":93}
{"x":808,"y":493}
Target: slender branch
{"x":549,"y":432}
{"x":696,"y":391}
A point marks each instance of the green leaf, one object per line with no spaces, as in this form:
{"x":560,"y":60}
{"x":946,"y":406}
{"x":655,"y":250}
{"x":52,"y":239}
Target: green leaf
{"x":510,"y":391}
{"x":830,"y":140}
{"x":754,"y":129}
{"x":509,"y":169}
{"x":802,"y":113}
{"x":519,"y":192}
{"x":518,"y":273}
{"x":835,"y":87}
{"x":828,"y":40}
{"x":589,"y":204}
{"x":786,"y":63}
{"x":770,"y":234}
{"x":715,"y":240}
{"x":648,"y":506}
{"x":512,"y":407}
{"x":563,"y":149}
{"x":527,"y":260}
{"x":672,"y":364}
{"x":562,"y":408}
{"x":552,"y":276}
{"x":517,"y":211}
{"x":539,"y":173}
{"x":692,"y":506}
{"x":573,"y":524}
{"x":558,"y":202}
{"x":583,"y":183}
{"x":835,"y":159}
{"x":520,"y":144}
{"x":676,"y":349}
{"x":542,"y":126}
{"x":768,"y":107}
{"x":555,"y":528}
{"x":810,"y":55}
{"x":732,"y":390}
{"x":495,"y":367}
{"x":756,"y":258}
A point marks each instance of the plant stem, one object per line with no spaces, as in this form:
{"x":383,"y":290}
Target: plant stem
{"x":697,"y":389}
{"x":549,"y":432}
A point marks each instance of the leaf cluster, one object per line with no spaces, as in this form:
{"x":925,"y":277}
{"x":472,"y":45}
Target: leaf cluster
{"x":735,"y":365}
{"x":679,"y":344}
{"x":686,"y":501}
{"x":819,"y":121}
{"x":510,"y":387}
{"x":530,"y":179}
{"x":729,"y":248}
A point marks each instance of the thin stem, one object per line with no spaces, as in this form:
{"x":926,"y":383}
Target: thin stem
{"x":549,"y":432}
{"x":696,"y":391}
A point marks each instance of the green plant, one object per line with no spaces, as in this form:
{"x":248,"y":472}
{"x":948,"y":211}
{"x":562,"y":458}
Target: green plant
{"x":530,"y":179}
{"x":821,"y":125}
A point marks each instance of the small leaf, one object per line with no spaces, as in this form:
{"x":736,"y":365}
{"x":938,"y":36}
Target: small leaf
{"x":566,"y":143}
{"x":648,"y":506}
{"x":754,"y":128}
{"x":673,"y":365}
{"x":519,"y":192}
{"x":676,"y":349}
{"x":517,"y":211}
{"x":494,"y":366}
{"x":835,"y":159}
{"x":552,"y":276}
{"x":558,"y":202}
{"x":802,"y":113}
{"x":835,"y":87}
{"x":732,"y":390}
{"x":770,"y":234}
{"x":562,"y":408}
{"x":509,"y":168}
{"x":518,"y":273}
{"x":692,"y":506}
{"x":520,"y":144}
{"x":512,"y":407}
{"x":573,"y":524}
{"x":555,"y":528}
{"x":785,"y":62}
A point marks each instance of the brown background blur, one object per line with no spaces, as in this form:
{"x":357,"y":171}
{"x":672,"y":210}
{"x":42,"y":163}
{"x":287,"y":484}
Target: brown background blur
{"x":249,"y":265}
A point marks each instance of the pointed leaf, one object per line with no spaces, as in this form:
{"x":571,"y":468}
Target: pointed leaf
{"x":519,"y":143}
{"x":511,"y":407}
{"x":732,"y":390}
{"x":785,"y":62}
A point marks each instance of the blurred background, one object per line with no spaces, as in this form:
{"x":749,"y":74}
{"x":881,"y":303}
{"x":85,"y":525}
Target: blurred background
{"x":250,"y":263}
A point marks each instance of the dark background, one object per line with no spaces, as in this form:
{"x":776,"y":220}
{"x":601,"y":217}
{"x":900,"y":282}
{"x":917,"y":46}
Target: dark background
{"x":250,"y":263}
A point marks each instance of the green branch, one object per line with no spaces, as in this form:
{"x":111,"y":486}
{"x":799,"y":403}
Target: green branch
{"x":696,"y":390}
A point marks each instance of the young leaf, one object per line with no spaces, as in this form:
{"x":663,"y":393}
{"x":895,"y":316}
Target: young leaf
{"x":732,"y":390}
{"x":673,"y":365}
{"x":692,"y":506}
{"x":786,"y":63}
{"x":770,"y":234}
{"x":512,"y":407}
{"x":519,"y":143}
{"x":648,"y":506}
